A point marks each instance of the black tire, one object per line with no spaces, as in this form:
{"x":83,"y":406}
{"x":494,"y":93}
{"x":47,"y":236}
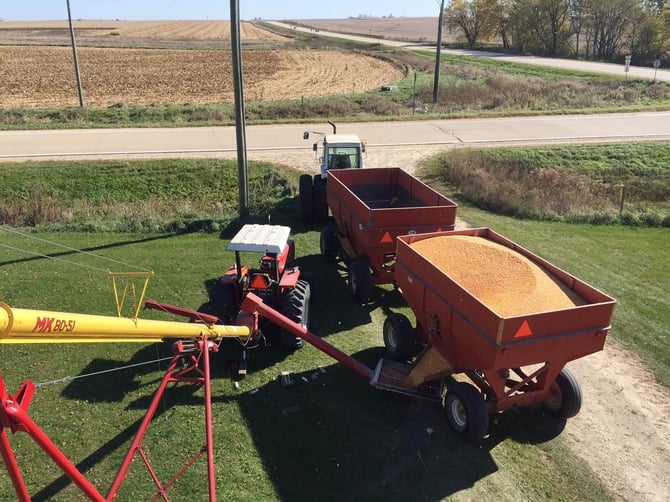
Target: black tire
{"x":223,"y":303}
{"x":320,"y":199}
{"x":329,"y":243}
{"x":565,"y":396}
{"x":295,"y":304}
{"x":399,"y":337}
{"x":360,"y":280}
{"x":306,"y":196}
{"x":466,"y":411}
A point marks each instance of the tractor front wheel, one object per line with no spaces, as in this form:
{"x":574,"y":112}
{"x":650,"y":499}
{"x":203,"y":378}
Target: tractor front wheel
{"x":360,"y":280}
{"x":320,"y":199}
{"x":295,"y":304}
{"x":222,"y":303}
{"x":565,"y":396}
{"x":398,"y":337}
{"x":306,"y":196}
{"x":466,"y":411}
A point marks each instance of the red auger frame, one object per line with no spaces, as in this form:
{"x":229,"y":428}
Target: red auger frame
{"x":193,"y":343}
{"x":14,"y":408}
{"x":14,"y":417}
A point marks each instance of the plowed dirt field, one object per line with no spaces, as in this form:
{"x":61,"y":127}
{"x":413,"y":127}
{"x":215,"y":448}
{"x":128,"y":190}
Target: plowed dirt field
{"x":38,"y":73}
{"x":174,"y":30}
{"x":42,"y":77}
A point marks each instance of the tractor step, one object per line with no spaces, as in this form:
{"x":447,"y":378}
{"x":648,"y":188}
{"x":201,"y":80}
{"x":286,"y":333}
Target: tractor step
{"x":389,"y":375}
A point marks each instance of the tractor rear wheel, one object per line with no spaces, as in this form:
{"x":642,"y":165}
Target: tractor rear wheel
{"x":360,"y":280}
{"x":329,"y":243}
{"x":398,"y":337}
{"x":306,"y":196}
{"x":565,"y":396}
{"x":320,"y":199}
{"x":466,"y":411}
{"x":295,"y":304}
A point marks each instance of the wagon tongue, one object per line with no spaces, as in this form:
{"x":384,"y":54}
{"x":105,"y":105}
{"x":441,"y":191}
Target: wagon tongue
{"x":393,"y":376}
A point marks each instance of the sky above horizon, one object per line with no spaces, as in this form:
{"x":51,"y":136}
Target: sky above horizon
{"x":39,"y":10}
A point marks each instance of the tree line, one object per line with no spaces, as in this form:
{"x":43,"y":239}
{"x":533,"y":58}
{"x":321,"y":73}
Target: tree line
{"x":598,"y":29}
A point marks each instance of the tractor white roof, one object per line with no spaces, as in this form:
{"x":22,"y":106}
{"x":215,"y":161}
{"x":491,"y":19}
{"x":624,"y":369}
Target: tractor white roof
{"x":334,"y":139}
{"x":260,"y":239}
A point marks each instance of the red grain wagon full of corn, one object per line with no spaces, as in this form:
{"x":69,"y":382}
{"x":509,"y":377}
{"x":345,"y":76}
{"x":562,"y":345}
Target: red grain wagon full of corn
{"x":496,"y":313}
{"x":371,"y":208}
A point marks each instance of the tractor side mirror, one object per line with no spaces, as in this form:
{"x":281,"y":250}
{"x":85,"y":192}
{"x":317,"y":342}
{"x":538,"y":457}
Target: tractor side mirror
{"x":305,"y":135}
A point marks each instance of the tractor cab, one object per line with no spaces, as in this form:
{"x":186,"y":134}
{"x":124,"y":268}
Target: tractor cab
{"x":276,"y":281}
{"x":340,"y":151}
{"x":278,"y":255}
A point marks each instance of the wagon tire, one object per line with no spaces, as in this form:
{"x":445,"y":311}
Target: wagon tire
{"x":398,"y":337}
{"x":565,"y":396}
{"x":320,"y":199}
{"x":360,"y":280}
{"x":466,"y":411}
{"x":329,"y":243}
{"x":306,"y":196}
{"x":295,"y":304}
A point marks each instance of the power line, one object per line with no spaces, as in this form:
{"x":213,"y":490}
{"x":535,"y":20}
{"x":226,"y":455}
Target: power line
{"x":88,"y":253}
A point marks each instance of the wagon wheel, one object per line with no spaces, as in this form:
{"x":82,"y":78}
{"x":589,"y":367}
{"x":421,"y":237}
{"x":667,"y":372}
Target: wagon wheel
{"x":466,"y":411}
{"x":398,"y":337}
{"x":565,"y":396}
{"x":360,"y":280}
{"x":329,"y":243}
{"x":320,"y":199}
{"x":306,"y":196}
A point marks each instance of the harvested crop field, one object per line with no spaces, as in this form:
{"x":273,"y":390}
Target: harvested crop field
{"x":169,"y":62}
{"x":43,"y":77}
{"x":411,"y":29}
{"x":20,"y":32}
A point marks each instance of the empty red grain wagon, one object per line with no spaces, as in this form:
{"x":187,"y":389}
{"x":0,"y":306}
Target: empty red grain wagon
{"x":371,"y":208}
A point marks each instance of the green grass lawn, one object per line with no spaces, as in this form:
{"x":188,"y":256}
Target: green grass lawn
{"x":340,"y":438}
{"x":334,"y":436}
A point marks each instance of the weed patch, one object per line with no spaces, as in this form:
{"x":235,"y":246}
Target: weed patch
{"x":141,"y":196}
{"x":628,"y":184}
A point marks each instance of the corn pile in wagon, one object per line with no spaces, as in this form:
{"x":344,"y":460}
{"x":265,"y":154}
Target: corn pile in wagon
{"x":505,"y":281}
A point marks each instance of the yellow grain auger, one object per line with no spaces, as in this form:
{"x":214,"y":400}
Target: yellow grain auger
{"x":194,"y":341}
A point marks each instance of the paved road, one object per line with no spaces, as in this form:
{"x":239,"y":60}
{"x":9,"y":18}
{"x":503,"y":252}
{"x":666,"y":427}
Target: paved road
{"x":589,"y":66}
{"x":278,"y":140}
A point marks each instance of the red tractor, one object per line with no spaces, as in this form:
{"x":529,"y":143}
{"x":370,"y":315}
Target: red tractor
{"x":277,"y":282}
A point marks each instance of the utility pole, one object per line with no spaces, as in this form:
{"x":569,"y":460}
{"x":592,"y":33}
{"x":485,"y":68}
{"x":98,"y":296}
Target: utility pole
{"x":436,"y":82}
{"x":74,"y":53}
{"x":240,"y":128}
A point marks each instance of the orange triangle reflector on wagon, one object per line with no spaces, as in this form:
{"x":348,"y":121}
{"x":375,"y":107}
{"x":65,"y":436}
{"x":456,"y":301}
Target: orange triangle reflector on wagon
{"x":386,"y":238}
{"x":524,"y":330}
